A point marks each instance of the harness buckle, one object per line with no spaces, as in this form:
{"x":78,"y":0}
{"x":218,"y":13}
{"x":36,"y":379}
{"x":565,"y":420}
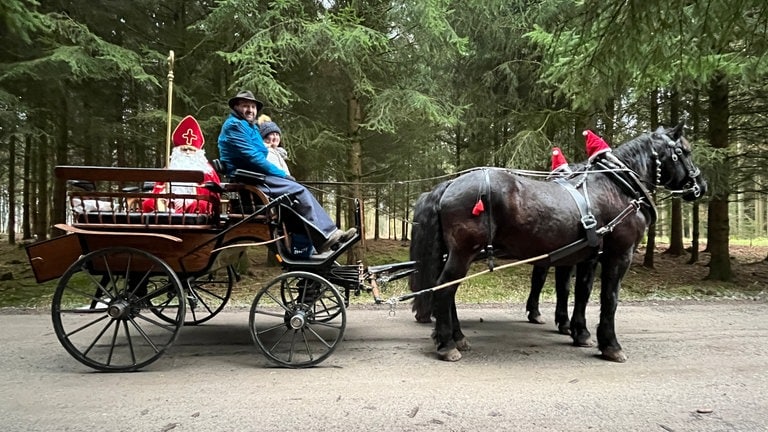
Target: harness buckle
{"x":588,"y":221}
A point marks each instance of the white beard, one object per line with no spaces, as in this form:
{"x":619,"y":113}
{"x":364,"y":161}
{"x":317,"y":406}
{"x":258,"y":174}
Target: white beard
{"x":187,"y":161}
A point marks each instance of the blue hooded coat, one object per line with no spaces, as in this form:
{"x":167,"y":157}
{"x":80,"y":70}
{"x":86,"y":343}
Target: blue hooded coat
{"x":241,"y":147}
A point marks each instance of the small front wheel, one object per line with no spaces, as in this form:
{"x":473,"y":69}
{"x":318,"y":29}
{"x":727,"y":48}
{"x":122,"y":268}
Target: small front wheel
{"x":298,"y":319}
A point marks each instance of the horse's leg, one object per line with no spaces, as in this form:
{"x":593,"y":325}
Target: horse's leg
{"x":462,"y":343}
{"x":538,"y":277}
{"x":447,"y":328}
{"x":445,"y":319}
{"x":562,"y":290}
{"x":585,"y":276}
{"x":422,"y":306}
{"x":613,"y":270}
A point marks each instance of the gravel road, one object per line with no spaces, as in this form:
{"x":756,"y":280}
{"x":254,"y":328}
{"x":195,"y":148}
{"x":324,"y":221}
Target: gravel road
{"x":692,"y":367}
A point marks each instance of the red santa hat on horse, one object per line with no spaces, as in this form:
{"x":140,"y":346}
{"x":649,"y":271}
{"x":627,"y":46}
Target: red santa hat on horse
{"x":188,"y":154}
{"x":595,"y":145}
{"x":559,"y":164}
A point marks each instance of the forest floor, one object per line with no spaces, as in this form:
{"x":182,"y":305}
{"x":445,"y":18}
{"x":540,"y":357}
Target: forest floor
{"x":671,"y":278}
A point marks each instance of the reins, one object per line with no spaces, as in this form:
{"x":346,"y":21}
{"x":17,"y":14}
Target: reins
{"x":394,"y":300}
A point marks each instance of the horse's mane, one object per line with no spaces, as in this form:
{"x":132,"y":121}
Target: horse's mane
{"x":635,"y":154}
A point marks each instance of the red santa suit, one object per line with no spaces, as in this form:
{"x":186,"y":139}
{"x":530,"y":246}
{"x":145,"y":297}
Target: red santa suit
{"x":188,"y":154}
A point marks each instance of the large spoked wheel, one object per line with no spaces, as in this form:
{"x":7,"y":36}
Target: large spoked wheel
{"x":205,"y":296}
{"x":208,"y":294}
{"x":298,"y":319}
{"x":105,"y":306}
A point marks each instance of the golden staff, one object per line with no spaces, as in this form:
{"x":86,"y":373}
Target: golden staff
{"x":161,"y":203}
{"x":170,"y":111}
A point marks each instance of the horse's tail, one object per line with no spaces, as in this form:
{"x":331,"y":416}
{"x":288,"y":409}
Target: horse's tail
{"x":427,"y":249}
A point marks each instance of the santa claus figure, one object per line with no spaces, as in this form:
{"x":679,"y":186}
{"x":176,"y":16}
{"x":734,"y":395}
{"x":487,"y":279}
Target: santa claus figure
{"x":187,"y":154}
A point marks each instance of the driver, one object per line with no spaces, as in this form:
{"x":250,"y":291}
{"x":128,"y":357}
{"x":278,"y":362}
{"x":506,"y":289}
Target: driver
{"x":241,"y":146}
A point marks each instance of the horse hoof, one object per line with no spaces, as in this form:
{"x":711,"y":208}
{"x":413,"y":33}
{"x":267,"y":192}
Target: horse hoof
{"x":450,"y":355}
{"x":463,"y":345}
{"x":582,"y":339}
{"x":583,"y":343}
{"x":535,"y":319}
{"x":421,"y":319}
{"x":564,"y":329}
{"x":617,"y":356}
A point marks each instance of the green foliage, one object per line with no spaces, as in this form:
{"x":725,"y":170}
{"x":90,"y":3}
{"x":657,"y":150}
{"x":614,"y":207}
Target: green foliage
{"x":20,"y":19}
{"x":442,"y":85}
{"x":608,"y":46}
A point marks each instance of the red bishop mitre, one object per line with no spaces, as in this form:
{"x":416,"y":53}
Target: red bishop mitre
{"x":558,"y":161}
{"x":595,"y":145}
{"x":188,"y":132}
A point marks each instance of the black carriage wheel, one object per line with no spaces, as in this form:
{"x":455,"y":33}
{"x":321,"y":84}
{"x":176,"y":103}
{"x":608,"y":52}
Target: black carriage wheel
{"x":304,"y":290}
{"x":115,"y":331}
{"x":205,"y":296}
{"x":298,"y":319}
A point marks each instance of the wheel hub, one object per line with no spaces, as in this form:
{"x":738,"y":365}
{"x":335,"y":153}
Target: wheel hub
{"x":119,"y":309}
{"x":298,"y":320}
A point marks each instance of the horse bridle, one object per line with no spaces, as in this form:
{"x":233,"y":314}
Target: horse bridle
{"x":691,"y":170}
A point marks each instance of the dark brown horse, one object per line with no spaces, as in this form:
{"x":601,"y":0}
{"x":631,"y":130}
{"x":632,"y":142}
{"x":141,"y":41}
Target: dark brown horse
{"x":526,"y":218}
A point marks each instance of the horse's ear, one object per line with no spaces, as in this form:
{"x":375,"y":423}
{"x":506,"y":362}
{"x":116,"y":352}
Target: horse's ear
{"x":676,"y":132}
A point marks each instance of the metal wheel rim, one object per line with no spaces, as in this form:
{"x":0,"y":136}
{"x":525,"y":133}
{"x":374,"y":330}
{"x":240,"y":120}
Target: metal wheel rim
{"x":294,"y":329}
{"x":102,"y":317}
{"x":205,"y":296}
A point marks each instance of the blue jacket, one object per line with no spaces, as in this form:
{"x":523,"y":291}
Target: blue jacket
{"x":241,"y":146}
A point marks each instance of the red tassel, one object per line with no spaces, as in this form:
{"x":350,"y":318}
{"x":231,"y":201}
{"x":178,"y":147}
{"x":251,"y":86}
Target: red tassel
{"x":479,"y":208}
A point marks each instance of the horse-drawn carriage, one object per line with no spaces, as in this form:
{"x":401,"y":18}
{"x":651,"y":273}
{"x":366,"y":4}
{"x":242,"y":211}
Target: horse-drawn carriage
{"x":131,"y":278}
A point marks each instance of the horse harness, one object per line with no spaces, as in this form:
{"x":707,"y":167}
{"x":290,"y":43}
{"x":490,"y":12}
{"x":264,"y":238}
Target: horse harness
{"x":489,"y":221}
{"x":625,"y":178}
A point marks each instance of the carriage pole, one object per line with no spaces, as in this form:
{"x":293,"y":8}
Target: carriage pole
{"x":393,"y":301}
{"x":170,"y":110}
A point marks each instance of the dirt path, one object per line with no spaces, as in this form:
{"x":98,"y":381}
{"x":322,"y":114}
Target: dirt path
{"x":692,"y":367}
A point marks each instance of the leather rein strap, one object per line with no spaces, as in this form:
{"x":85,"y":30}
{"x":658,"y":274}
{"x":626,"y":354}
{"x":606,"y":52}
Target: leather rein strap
{"x":588,"y":220}
{"x":628,"y":181}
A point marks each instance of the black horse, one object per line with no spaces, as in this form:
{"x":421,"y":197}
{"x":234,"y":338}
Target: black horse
{"x":562,"y":291}
{"x":526,"y":218}
{"x":585,"y":272}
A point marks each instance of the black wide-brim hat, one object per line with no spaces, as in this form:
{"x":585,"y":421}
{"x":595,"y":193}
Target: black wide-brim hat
{"x":245,"y":95}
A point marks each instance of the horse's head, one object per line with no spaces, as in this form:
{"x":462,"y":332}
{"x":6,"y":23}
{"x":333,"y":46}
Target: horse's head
{"x":675,"y":169}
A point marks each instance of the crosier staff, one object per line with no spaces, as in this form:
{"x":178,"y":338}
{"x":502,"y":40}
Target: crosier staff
{"x":170,"y":110}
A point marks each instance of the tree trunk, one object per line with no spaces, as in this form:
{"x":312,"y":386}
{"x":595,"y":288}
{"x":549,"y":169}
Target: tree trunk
{"x":12,"y":189}
{"x":694,"y":234}
{"x":43,"y":198}
{"x":58,"y":214}
{"x":406,"y":208}
{"x":26,"y":191}
{"x":651,"y":242}
{"x":376,"y":214}
{"x":695,"y":214}
{"x":719,"y":230}
{"x":676,"y":247}
{"x":459,"y":138}
{"x":354,"y":118}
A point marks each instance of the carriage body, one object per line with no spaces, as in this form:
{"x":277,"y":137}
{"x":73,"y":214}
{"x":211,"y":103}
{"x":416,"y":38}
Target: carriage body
{"x":105,"y":210}
{"x":130,"y":277}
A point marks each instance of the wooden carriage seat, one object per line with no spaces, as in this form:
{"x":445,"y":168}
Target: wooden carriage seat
{"x":108,"y":199}
{"x":243,"y":187}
